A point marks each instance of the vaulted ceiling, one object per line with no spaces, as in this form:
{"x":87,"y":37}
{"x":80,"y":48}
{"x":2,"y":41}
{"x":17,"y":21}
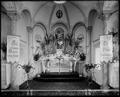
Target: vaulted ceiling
{"x":45,"y":11}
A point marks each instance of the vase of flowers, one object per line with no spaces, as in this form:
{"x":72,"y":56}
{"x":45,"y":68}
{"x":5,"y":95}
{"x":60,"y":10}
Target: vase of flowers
{"x":82,"y":57}
{"x":27,"y":69}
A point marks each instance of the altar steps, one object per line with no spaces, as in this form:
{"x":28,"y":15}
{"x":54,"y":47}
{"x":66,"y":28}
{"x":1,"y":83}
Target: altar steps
{"x":58,"y":77}
{"x":59,"y":84}
{"x":60,"y":74}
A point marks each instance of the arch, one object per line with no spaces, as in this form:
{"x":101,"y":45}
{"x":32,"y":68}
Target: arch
{"x":77,"y":25}
{"x":26,"y":16}
{"x":67,"y":16}
{"x":81,"y":11}
{"x":92,"y":16}
{"x":42,"y":26}
{"x":59,"y":25}
{"x":38,"y":35}
{"x":3,"y":9}
{"x":51,"y":15}
{"x":80,"y":37}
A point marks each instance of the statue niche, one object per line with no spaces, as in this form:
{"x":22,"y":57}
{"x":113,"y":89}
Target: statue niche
{"x":69,"y":46}
{"x":59,"y":36}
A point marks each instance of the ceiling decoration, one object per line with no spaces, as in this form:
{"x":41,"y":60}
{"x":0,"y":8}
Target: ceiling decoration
{"x":108,"y":5}
{"x":57,"y":11}
{"x":51,"y":15}
{"x":59,"y":25}
{"x":59,"y":14}
{"x":67,"y":16}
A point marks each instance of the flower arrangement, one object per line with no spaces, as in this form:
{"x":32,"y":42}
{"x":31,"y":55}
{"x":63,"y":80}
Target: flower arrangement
{"x":4,"y":49}
{"x":82,"y":57}
{"x":110,"y":61}
{"x":90,"y":66}
{"x":27,"y":68}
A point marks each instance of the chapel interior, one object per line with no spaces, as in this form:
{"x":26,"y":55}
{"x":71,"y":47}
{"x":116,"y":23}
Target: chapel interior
{"x":59,"y":45}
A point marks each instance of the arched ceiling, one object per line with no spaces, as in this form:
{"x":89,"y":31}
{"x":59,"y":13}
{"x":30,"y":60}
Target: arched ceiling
{"x":45,"y":11}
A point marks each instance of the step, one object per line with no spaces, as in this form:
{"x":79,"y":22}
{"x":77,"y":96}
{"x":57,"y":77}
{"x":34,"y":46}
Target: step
{"x":58,"y":79}
{"x":59,"y":74}
{"x":60,"y":93}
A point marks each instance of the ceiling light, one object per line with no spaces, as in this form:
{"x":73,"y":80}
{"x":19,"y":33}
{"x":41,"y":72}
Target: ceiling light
{"x":59,"y":2}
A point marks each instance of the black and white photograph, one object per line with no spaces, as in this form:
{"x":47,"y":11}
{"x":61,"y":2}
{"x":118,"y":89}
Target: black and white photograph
{"x":60,"y":48}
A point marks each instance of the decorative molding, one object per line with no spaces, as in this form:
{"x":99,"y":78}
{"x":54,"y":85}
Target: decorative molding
{"x":13,"y":6}
{"x":50,"y":19}
{"x":41,"y":25}
{"x":108,"y":15}
{"x":97,"y":40}
{"x":81,"y":11}
{"x":93,"y":13}
{"x":39,"y":9}
{"x":67,"y":16}
{"x":10,"y":6}
{"x":14,"y":15}
{"x":77,"y":25}
{"x":89,"y":28}
{"x":101,"y":16}
{"x":59,"y":24}
{"x":109,"y":5}
{"x":3,"y":9}
{"x":29,"y":29}
{"x":59,"y":14}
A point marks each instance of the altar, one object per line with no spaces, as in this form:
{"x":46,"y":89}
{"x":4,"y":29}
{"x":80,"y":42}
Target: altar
{"x":60,"y":52}
{"x":58,"y":62}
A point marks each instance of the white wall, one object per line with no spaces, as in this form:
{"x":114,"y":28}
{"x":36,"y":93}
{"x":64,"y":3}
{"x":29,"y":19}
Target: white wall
{"x":22,"y":32}
{"x":98,"y":29}
{"x":5,"y":68}
{"x":5,"y":26}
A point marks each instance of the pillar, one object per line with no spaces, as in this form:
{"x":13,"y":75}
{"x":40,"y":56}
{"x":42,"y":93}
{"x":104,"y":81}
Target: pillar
{"x":105,"y":67}
{"x":14,"y":18}
{"x":14,"y":66}
{"x":30,"y":36}
{"x":90,"y":42}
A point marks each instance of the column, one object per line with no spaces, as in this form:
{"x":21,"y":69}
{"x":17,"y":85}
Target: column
{"x":30,"y":36}
{"x":105,"y":67}
{"x":14,"y":66}
{"x":90,"y":42}
{"x":14,"y":18}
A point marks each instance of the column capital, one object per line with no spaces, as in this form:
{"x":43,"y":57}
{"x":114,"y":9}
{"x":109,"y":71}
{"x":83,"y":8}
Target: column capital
{"x":29,"y":29}
{"x":14,"y":15}
{"x":101,"y":16}
{"x":89,"y":28}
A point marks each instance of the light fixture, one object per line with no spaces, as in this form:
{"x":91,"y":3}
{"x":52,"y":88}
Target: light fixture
{"x":59,"y":2}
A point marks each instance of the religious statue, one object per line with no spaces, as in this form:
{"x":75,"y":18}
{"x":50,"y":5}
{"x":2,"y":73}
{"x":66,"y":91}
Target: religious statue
{"x":59,"y":36}
{"x":38,"y":51}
